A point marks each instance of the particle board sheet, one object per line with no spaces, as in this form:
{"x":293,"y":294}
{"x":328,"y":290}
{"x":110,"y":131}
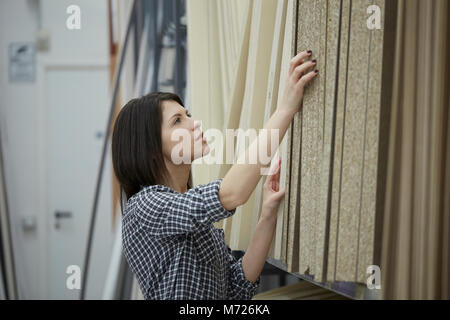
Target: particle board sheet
{"x":338,"y":138}
{"x":356,"y":168}
{"x":313,"y":24}
{"x":373,"y":171}
{"x":312,"y":137}
{"x":335,"y":140}
{"x":292,"y":217}
{"x":415,"y":260}
{"x":293,"y":249}
{"x":353,"y":144}
{"x":330,"y":68}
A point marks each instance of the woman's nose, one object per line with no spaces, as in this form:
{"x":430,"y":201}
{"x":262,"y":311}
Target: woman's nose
{"x":196,"y":124}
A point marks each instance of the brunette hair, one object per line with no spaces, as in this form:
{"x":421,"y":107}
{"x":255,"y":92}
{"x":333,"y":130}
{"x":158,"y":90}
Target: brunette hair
{"x":137,"y":156}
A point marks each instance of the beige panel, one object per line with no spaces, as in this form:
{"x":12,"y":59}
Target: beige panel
{"x":252,"y":117}
{"x":290,"y":51}
{"x":210,"y":59}
{"x":236,"y":102}
{"x":271,"y":98}
{"x":292,"y":251}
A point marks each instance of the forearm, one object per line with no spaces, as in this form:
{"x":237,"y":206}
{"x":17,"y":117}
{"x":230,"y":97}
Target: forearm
{"x":244,"y":175}
{"x":255,"y":257}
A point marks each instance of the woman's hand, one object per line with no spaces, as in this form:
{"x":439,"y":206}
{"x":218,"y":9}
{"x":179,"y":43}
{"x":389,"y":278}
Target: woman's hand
{"x":298,"y":77}
{"x":272,"y":194}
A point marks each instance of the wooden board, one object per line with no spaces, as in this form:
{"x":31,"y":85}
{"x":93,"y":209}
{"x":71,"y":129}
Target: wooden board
{"x":288,"y":54}
{"x":252,"y":117}
{"x":272,"y":99}
{"x":339,"y":132}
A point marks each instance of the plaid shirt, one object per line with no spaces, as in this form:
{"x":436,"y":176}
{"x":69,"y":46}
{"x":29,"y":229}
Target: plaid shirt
{"x":174,"y":250}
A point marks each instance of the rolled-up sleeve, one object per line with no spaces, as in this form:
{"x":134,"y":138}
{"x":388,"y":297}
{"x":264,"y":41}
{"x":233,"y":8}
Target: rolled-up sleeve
{"x":239,"y":287}
{"x":166,"y":212}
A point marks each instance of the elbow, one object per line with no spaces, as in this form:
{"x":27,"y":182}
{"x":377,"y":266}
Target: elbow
{"x":240,"y":199}
{"x":230,"y":199}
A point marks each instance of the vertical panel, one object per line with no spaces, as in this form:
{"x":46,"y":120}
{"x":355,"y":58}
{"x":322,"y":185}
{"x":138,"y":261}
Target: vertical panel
{"x":287,"y":53}
{"x":338,"y":142}
{"x":372,"y":146}
{"x":292,"y":14}
{"x":261,"y":35}
{"x":292,"y":223}
{"x":329,"y":67}
{"x":353,"y":142}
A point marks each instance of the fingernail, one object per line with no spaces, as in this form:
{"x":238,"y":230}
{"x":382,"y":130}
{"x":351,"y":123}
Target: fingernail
{"x":314,"y":61}
{"x":309,"y":51}
{"x":316,"y":71}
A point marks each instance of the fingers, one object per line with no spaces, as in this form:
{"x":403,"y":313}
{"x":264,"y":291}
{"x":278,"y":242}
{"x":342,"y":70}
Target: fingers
{"x":298,"y":59}
{"x":279,"y":195}
{"x":300,"y":70}
{"x":273,"y":180}
{"x":306,"y":78}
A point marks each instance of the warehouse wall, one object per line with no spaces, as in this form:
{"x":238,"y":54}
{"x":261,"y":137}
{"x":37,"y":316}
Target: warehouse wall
{"x":19,"y":114}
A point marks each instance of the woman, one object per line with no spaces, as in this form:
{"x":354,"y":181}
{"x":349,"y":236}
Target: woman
{"x":169,"y":239}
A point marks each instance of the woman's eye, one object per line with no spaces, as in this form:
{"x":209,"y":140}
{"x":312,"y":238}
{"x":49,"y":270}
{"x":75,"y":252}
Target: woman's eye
{"x":177,"y":119}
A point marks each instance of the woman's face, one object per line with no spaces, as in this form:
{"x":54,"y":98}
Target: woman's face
{"x":182,"y":137}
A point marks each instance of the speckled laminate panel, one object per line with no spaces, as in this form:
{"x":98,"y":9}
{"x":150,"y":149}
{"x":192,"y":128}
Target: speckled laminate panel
{"x":329,"y":48}
{"x":366,"y":233}
{"x":338,"y":141}
{"x":353,"y":142}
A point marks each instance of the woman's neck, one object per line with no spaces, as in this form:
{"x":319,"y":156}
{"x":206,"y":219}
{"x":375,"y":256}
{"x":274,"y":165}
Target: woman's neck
{"x":179,"y":175}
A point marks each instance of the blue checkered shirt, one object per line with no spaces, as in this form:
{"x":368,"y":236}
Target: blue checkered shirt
{"x":175,"y":251}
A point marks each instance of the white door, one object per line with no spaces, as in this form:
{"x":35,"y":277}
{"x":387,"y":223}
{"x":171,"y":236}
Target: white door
{"x":77,"y":108}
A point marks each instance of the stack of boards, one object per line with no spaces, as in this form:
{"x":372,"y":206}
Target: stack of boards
{"x":365,"y":178}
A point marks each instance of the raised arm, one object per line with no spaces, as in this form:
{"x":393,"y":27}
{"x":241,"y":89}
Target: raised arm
{"x":240,"y":181}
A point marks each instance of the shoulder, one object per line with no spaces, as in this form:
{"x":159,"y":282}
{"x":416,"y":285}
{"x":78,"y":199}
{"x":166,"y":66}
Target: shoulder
{"x":158,"y":195}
